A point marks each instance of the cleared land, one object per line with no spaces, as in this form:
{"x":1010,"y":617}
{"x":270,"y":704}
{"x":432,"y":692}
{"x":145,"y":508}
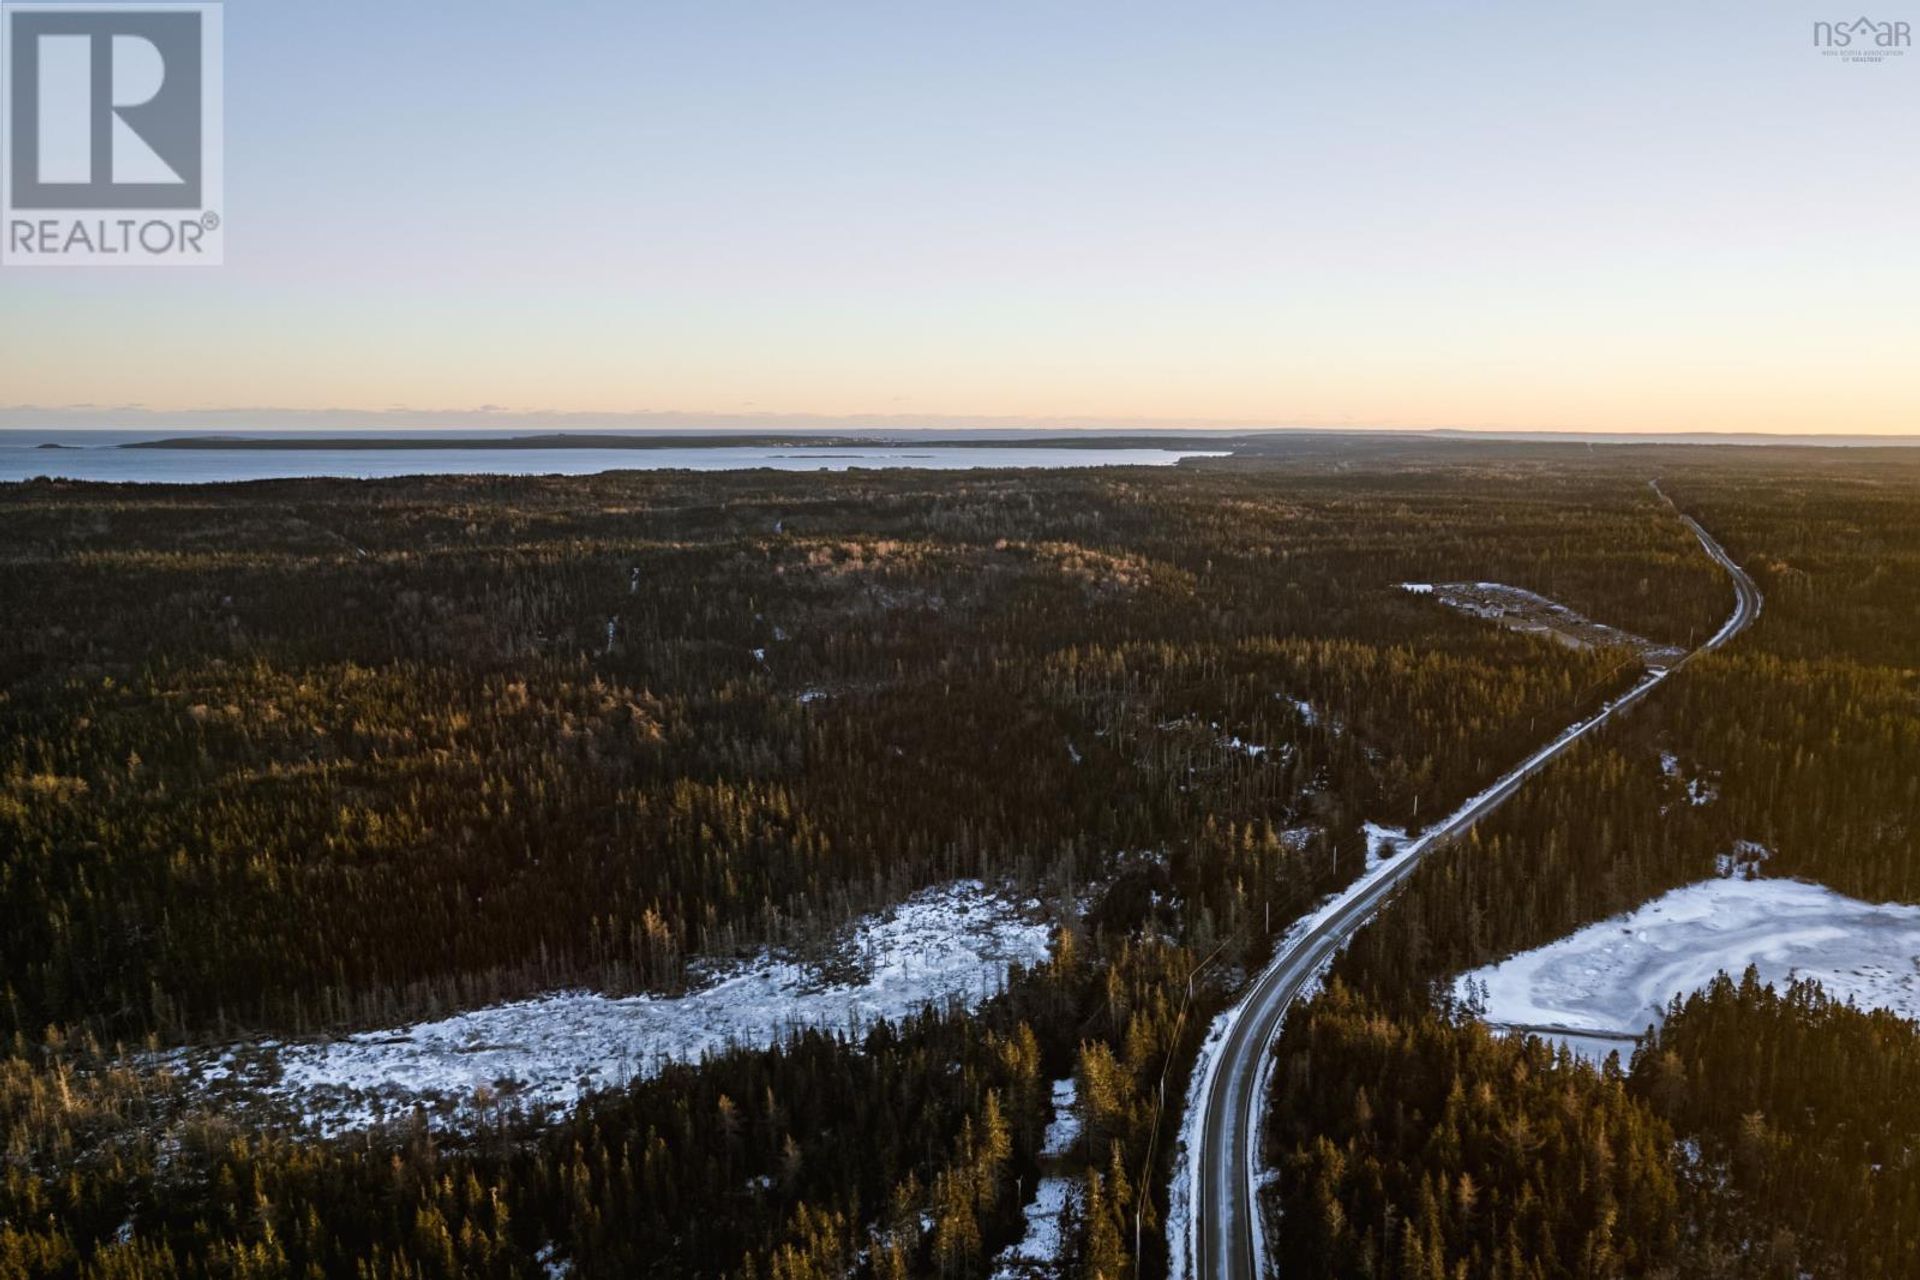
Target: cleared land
{"x":953,"y":943}
{"x":1518,"y":609}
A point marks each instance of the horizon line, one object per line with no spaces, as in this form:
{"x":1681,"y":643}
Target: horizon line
{"x":132,"y":417}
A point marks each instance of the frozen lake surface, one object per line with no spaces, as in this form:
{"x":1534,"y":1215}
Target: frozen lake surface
{"x":1618,"y":976}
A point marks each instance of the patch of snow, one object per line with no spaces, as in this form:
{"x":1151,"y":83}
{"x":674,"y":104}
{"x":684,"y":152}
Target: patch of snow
{"x":1383,"y":844}
{"x":1417,"y":588}
{"x":1229,"y":741}
{"x":1064,"y":1130}
{"x":552,"y":1265}
{"x":1700,"y":790}
{"x":809,"y":696}
{"x":1037,"y":1255}
{"x":1298,"y":838}
{"x":953,"y":943}
{"x":1308,"y":714}
{"x":1617,"y":977}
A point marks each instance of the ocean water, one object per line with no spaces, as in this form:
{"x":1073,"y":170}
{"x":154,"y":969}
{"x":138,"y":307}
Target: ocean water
{"x":99,"y":455}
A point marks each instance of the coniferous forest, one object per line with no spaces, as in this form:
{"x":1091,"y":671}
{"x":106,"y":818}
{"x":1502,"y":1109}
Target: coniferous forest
{"x":290,"y":760}
{"x":1758,"y":1131}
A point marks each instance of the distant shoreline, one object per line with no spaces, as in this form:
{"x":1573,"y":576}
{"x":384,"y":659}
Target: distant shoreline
{"x":1237,"y":440}
{"x":581,"y":440}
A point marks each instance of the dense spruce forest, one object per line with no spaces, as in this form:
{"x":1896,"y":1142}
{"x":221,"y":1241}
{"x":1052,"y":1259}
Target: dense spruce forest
{"x":300,"y":755}
{"x":293,"y":759}
{"x":1756,"y":1132}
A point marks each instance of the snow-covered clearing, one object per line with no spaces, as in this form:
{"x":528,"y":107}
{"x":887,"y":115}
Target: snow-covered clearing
{"x":1618,"y":976}
{"x":1064,"y":1129}
{"x":953,"y":943}
{"x":1037,"y":1255}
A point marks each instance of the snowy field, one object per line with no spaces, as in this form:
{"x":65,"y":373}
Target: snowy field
{"x":1618,"y":976}
{"x":952,"y":943}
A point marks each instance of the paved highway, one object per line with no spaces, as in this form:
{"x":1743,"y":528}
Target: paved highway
{"x":1227,"y":1243}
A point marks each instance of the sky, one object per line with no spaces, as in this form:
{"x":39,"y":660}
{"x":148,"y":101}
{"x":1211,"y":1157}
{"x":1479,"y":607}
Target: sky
{"x":1585,"y":215}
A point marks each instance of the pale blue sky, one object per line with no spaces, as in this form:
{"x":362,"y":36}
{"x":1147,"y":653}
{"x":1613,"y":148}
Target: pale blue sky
{"x":1586,"y":215}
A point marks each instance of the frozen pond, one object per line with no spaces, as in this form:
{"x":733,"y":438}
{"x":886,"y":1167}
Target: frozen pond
{"x":1617,"y":977}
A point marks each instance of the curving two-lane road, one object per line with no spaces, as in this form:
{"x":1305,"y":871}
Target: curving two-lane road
{"x":1226,"y":1242}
